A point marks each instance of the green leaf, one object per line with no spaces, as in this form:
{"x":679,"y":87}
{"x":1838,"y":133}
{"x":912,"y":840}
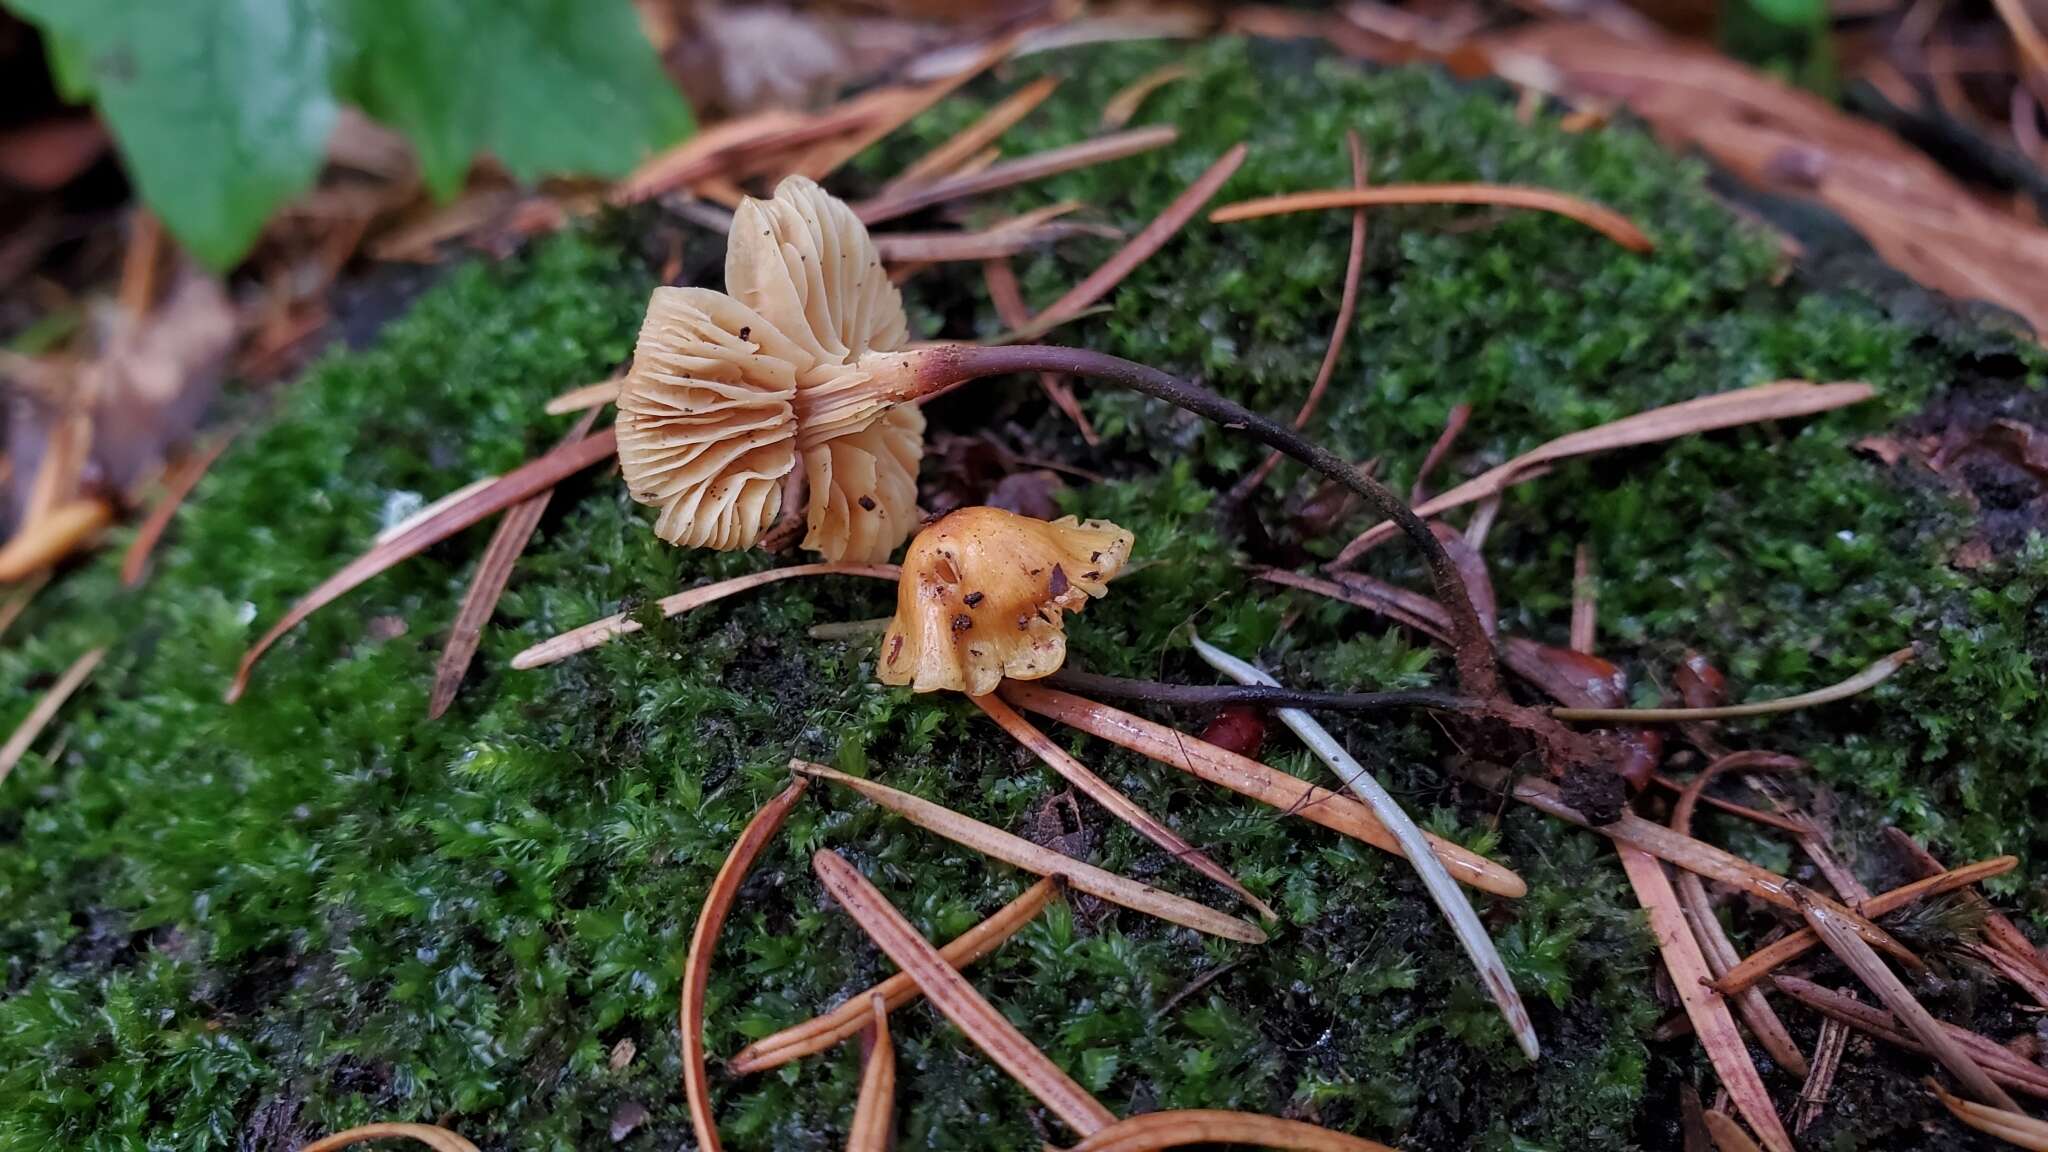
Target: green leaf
{"x":546,"y":86}
{"x":221,"y":108}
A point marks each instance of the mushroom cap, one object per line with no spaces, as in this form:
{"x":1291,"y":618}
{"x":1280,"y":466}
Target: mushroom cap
{"x":982,"y":593}
{"x":726,"y":391}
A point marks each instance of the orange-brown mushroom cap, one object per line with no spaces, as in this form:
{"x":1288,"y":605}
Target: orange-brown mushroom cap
{"x":982,"y":593}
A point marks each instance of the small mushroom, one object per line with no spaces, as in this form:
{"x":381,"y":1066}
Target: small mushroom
{"x":982,"y":593}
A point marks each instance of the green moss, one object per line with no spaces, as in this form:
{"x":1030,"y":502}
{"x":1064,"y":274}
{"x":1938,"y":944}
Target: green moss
{"x":313,"y":908}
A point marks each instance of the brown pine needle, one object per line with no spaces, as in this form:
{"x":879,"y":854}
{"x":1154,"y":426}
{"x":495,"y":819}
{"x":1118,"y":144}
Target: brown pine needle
{"x":1999,"y":1063}
{"x":45,"y":710}
{"x":178,"y":484}
{"x":2027,"y":977}
{"x":493,"y":572}
{"x":432,"y":1135}
{"x":704,"y":941}
{"x":1150,"y":238}
{"x":821,"y":1033}
{"x":1782,"y":400}
{"x":1792,"y":946}
{"x":519,"y":484}
{"x":1889,"y":990}
{"x":2031,"y":43}
{"x":1121,"y":107}
{"x":1711,"y":1020}
{"x":1119,"y":805}
{"x":441,"y":504}
{"x":1008,"y":299}
{"x":1585,"y":601}
{"x":1764,"y":1024}
{"x":604,"y":631}
{"x":2002,"y":932}
{"x":1599,"y":218}
{"x":718,"y":148}
{"x":586,"y":396}
{"x":1728,"y":1135}
{"x":1021,"y":853}
{"x":1756,"y":815}
{"x":20,"y":597}
{"x":2008,"y":1124}
{"x":999,"y":242}
{"x":900,"y":107}
{"x":1347,"y":307}
{"x":43,"y":541}
{"x":1157,"y":1130}
{"x":1009,"y":173}
{"x":945,"y":159}
{"x":1870,"y":677}
{"x":874,"y":1113}
{"x":1283,"y":791}
{"x":957,"y":1000}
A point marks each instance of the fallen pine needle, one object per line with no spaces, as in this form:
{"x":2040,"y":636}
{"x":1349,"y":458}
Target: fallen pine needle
{"x":19,"y":598}
{"x":1782,"y":400}
{"x":1008,"y":299}
{"x":1009,"y":173}
{"x":515,"y":486}
{"x":922,"y":248}
{"x":45,"y":710}
{"x":1157,"y":1130}
{"x":947,"y":157}
{"x":432,"y":1135}
{"x":1449,"y":898}
{"x":704,"y":941}
{"x":599,"y":632}
{"x":820,"y":1033}
{"x":899,"y":107}
{"x":43,"y":541}
{"x":2015,"y":1072}
{"x":2008,"y":1124}
{"x":2026,"y":976}
{"x":441,"y":504}
{"x":586,"y":396}
{"x":1711,"y":1020}
{"x":1585,"y":601}
{"x":493,"y":572}
{"x":874,"y":1111}
{"x":1119,"y":805}
{"x":956,"y":999}
{"x":1598,"y":217}
{"x":1870,"y":677}
{"x":1283,"y":791}
{"x":178,"y":484}
{"x":1756,"y":815}
{"x":2002,"y":932}
{"x":1120,"y":108}
{"x":1727,"y":1134}
{"x":1021,"y":853}
{"x":1871,"y":970}
{"x":1793,"y":945}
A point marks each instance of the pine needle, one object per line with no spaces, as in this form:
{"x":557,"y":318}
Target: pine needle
{"x":874,"y":1112}
{"x":178,"y":483}
{"x":45,"y":710}
{"x":432,"y":1135}
{"x":2008,"y":1124}
{"x":2014,"y":1072}
{"x":1158,"y":1130}
{"x":1599,"y":218}
{"x":1009,"y":173}
{"x":1863,"y":681}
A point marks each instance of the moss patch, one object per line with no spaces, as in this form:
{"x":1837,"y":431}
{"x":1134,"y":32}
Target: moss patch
{"x":313,"y":909}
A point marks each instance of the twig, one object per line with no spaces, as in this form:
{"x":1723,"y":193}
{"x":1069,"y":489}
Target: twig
{"x":1021,"y":853}
{"x":1283,"y":791}
{"x":178,"y":484}
{"x":1449,"y":898}
{"x":874,"y":1111}
{"x":820,"y":1033}
{"x":2014,"y":1072}
{"x":1009,"y":173}
{"x":957,"y":1000}
{"x":1119,"y":805}
{"x":45,"y":710}
{"x":1005,"y":115}
{"x":1879,"y":979}
{"x":1870,"y":677}
{"x":1600,"y":218}
{"x":432,"y":1135}
{"x":603,"y":631}
{"x":725,"y":888}
{"x":1158,"y":1130}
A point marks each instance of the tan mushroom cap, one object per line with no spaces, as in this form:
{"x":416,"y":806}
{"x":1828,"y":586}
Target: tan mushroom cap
{"x":982,"y":594}
{"x":726,"y":391}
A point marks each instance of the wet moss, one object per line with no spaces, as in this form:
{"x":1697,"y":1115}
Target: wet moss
{"x":313,"y":908}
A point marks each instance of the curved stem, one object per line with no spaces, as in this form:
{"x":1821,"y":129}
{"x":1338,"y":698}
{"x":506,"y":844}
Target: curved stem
{"x":946,"y":368}
{"x":1215,"y":695}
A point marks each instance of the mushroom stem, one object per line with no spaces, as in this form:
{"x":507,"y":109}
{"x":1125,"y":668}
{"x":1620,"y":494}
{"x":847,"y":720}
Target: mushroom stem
{"x":1257,"y":695}
{"x":942,"y":369}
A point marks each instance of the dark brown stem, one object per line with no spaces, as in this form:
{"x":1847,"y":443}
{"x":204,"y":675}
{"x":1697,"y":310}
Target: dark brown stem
{"x":1093,"y":685}
{"x":1478,"y":671}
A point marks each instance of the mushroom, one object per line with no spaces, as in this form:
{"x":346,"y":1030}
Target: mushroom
{"x":982,"y":594}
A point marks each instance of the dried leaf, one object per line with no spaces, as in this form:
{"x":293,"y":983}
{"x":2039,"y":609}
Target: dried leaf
{"x":2014,"y":1072}
{"x":178,"y":484}
{"x":1010,"y":173}
{"x":1282,"y":791}
{"x":1021,"y":853}
{"x":1711,"y":1020}
{"x":820,"y":1033}
{"x":45,"y":710}
{"x":1783,"y":400}
{"x":874,"y":1112}
{"x":520,"y":484}
{"x":432,"y":1135}
{"x":1879,"y":979}
{"x":945,"y":159}
{"x":603,"y":631}
{"x":954,"y":997}
{"x":1157,"y":1130}
{"x":1599,"y":218}
{"x":2008,"y":1124}
{"x":1119,"y":805}
{"x":1121,"y":107}
{"x":725,"y":888}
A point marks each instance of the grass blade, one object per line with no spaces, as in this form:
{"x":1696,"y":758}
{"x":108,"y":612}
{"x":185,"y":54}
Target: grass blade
{"x":1598,"y":217}
{"x":874,"y":1113}
{"x":1493,"y":974}
{"x":1156,"y":1130}
{"x":953,"y":996}
{"x":820,"y":1033}
{"x":24,"y":735}
{"x":1021,"y":853}
{"x":704,"y":941}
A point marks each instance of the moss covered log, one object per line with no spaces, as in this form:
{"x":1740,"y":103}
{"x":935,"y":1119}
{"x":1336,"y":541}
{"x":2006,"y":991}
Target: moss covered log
{"x":244,"y":925}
